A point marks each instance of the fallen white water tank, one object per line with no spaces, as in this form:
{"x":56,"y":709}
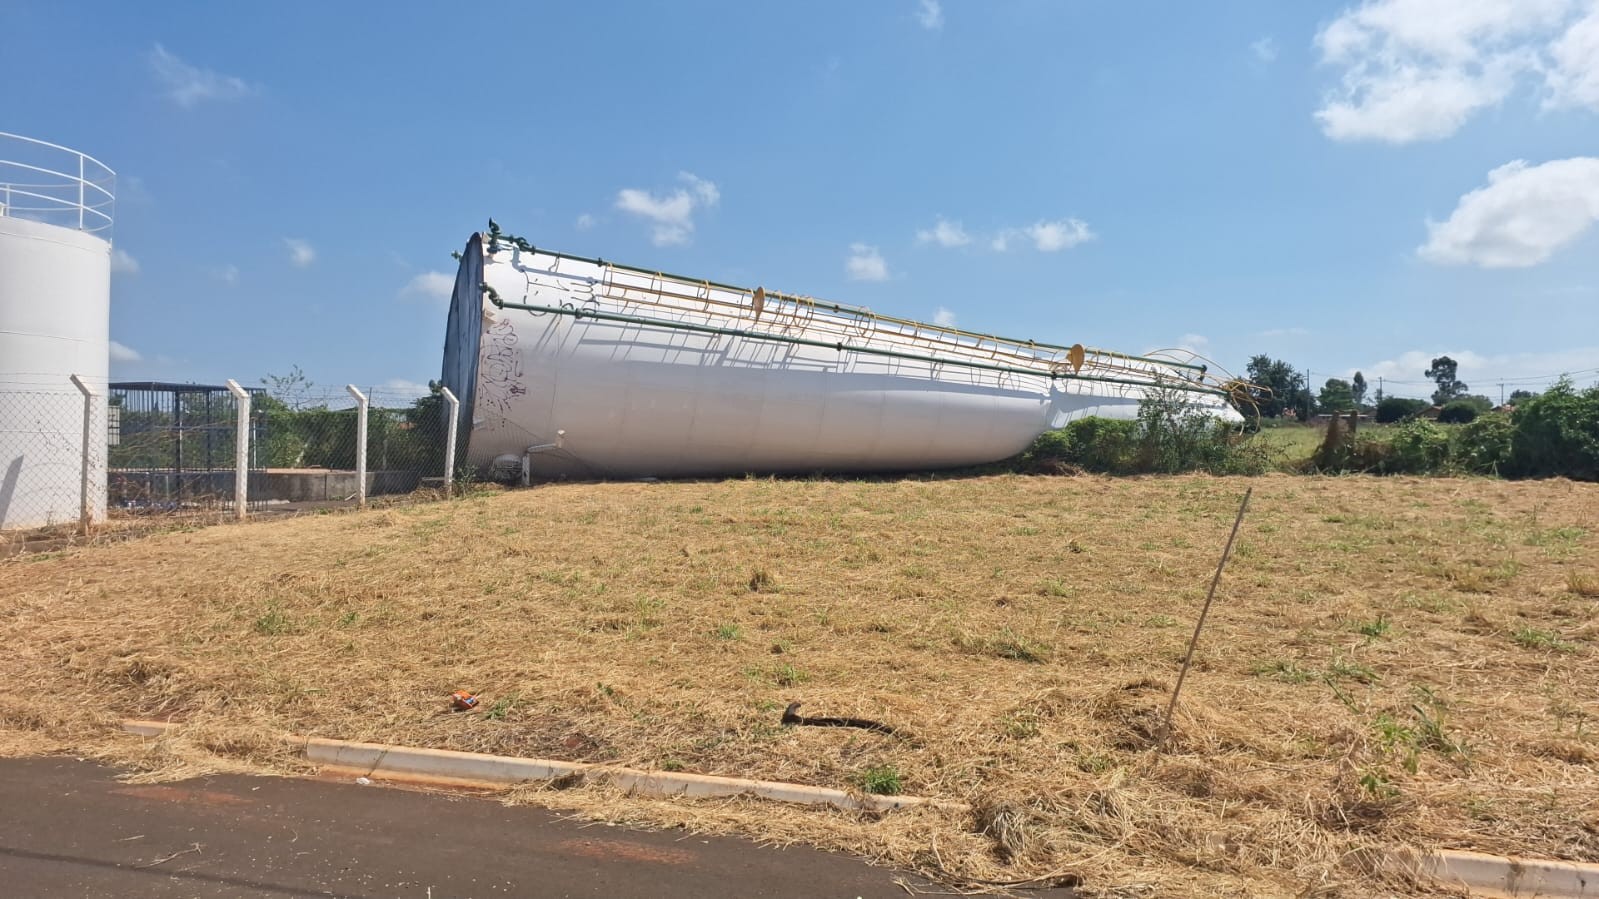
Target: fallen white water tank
{"x":586,"y":368}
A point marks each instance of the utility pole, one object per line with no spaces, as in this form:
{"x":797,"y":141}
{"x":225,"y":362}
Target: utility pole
{"x":1501,"y":394}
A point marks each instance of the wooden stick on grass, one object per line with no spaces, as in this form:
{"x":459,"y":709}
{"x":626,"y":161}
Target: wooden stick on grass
{"x":1188,"y":658}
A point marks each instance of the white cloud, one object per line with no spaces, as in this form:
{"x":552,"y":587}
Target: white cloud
{"x":1573,"y":73}
{"x":1061,"y":235}
{"x":121,"y":352}
{"x":1046,"y":237}
{"x":1405,"y":375}
{"x":1188,"y":344}
{"x":402,"y":389}
{"x":945,"y":233}
{"x":865,"y":264}
{"x":436,"y":286}
{"x":584,"y":222}
{"x":930,"y":14}
{"x":1265,"y":50}
{"x":187,"y":85}
{"x":227,"y":274}
{"x":1521,"y":218}
{"x":944,"y":318}
{"x":301,"y":253}
{"x":123,"y":262}
{"x":671,"y":216}
{"x":1420,"y":69}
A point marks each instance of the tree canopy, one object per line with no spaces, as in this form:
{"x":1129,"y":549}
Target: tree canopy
{"x":1276,"y":387}
{"x":1337,"y":395}
{"x":1443,"y":371}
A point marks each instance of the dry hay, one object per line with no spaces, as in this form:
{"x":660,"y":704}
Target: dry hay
{"x":1390,"y":660}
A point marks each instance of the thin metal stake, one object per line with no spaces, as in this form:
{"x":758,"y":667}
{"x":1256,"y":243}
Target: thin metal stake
{"x":1171,"y":708}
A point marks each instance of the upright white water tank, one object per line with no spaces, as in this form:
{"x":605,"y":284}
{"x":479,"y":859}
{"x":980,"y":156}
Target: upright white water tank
{"x":55,"y":320}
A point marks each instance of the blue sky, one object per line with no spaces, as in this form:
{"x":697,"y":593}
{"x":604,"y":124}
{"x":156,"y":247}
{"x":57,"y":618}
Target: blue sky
{"x":1342,"y":185}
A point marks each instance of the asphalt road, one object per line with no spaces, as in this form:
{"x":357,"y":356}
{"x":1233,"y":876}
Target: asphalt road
{"x":70,"y":829}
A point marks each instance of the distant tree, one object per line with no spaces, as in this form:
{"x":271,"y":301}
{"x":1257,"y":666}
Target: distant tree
{"x":1397,"y":408}
{"x":1457,"y":412}
{"x":1443,"y":371}
{"x":1521,"y":396}
{"x":291,"y":389}
{"x":1275,"y":386}
{"x":1337,"y":395}
{"x":1357,"y":389}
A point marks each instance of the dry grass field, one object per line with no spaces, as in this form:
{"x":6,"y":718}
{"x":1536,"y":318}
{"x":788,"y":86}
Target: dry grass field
{"x":1389,"y":661}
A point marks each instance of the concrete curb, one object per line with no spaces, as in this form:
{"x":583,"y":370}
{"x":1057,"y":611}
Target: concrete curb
{"x":1492,"y":875}
{"x":1498,"y":875}
{"x":377,"y":760}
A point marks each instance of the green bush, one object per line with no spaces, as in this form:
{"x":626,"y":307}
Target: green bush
{"x":1458,"y":412}
{"x":1417,"y":447}
{"x":1172,"y":434}
{"x":1557,"y":434}
{"x":1396,"y":408}
{"x":1482,"y":446}
{"x":1093,"y":444}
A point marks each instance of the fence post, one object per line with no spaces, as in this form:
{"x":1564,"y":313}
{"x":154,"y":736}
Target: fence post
{"x":85,"y":504}
{"x":241,"y":449}
{"x":360,"y":444}
{"x":449,"y":440}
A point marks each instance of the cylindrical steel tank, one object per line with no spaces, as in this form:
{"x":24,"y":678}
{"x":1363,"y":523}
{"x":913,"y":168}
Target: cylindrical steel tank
{"x":574,"y":367}
{"x":55,"y":318}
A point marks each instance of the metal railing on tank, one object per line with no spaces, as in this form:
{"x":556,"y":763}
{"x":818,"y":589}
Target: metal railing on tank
{"x":662,"y":299}
{"x":56,"y":185}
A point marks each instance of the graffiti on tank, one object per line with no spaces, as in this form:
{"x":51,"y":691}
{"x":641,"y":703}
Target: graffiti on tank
{"x":549,"y":287}
{"x":500,"y":373}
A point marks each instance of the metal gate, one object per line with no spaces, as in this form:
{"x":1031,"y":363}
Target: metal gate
{"x":171,"y":448}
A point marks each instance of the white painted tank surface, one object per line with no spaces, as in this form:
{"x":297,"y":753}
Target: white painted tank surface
{"x":586,"y":368}
{"x":55,"y":307}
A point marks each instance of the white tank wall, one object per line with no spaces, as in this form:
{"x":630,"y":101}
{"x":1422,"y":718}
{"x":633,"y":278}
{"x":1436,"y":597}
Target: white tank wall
{"x":55,"y":318}
{"x":651,"y":401}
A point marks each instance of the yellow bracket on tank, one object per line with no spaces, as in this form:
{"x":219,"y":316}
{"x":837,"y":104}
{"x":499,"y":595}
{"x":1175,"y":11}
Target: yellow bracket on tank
{"x":1077,"y":355}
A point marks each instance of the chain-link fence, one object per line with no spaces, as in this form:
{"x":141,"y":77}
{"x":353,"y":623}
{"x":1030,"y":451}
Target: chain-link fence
{"x":74,"y":456}
{"x":310,"y":444}
{"x":47,"y":479}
